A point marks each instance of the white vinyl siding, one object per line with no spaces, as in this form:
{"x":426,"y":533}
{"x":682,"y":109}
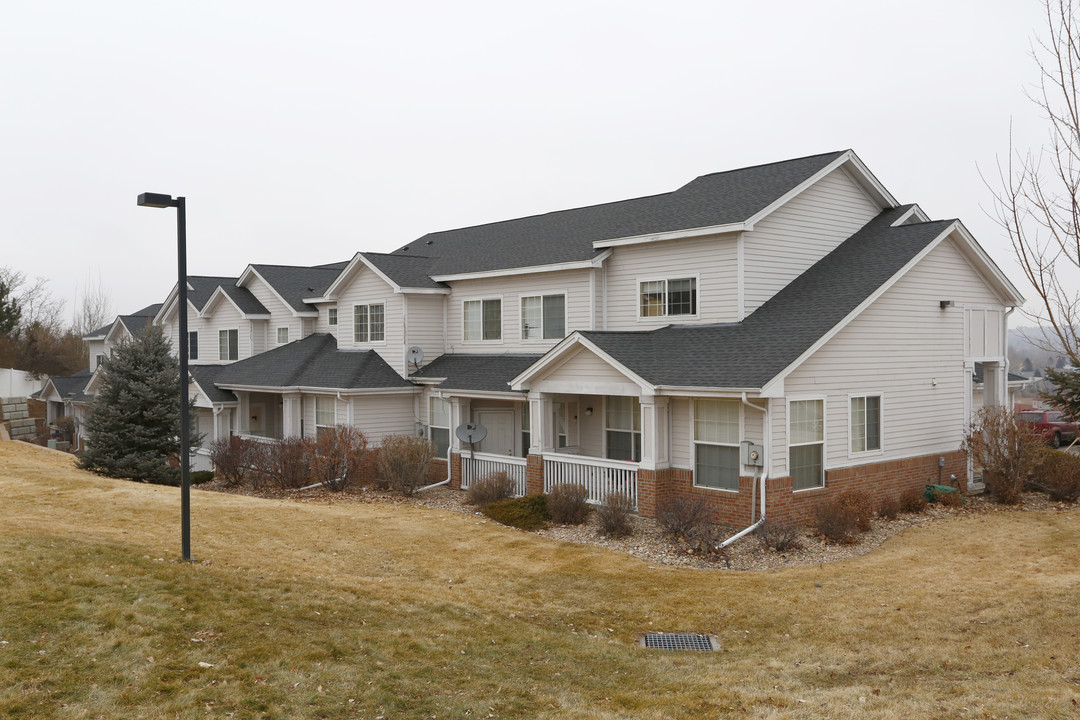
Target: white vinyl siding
{"x":264,"y":332}
{"x":906,"y":337}
{"x":364,"y":287}
{"x":424,"y":325}
{"x":711,"y":260}
{"x":716,"y":443}
{"x":807,"y":228}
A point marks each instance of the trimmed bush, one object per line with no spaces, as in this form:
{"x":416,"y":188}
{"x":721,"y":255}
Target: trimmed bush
{"x":779,"y":536}
{"x":860,"y":505}
{"x":527,"y":513}
{"x":837,"y":521}
{"x":568,"y":504}
{"x":404,"y":461}
{"x":1058,"y":476}
{"x":912,"y":501}
{"x":337,"y":456}
{"x":490,"y":488}
{"x":615,"y":515}
{"x":889,"y":508}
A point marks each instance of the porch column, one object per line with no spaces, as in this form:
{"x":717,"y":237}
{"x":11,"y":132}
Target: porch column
{"x":460,"y":410}
{"x":243,"y":412}
{"x":292,"y":410}
{"x":655,"y":443}
{"x":541,"y":440}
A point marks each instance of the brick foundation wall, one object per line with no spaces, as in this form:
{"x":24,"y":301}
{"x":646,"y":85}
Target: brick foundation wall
{"x":534,"y":474}
{"x":455,"y":470}
{"x":436,"y":471}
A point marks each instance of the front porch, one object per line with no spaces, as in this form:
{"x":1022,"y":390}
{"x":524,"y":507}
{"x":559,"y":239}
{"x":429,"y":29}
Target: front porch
{"x":598,"y":475}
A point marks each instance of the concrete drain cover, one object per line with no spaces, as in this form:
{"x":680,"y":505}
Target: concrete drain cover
{"x":680,"y":641}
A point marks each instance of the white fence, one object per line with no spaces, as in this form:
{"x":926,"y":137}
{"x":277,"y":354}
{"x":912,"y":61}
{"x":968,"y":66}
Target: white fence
{"x":480,"y":464}
{"x":599,"y":476}
{"x":18,"y":383}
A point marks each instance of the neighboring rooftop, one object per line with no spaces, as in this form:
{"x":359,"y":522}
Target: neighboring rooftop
{"x":486,"y":373}
{"x":294,"y":283}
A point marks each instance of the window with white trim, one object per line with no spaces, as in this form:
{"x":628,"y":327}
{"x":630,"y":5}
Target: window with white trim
{"x":282,"y":336}
{"x":526,"y":429}
{"x":806,"y":443}
{"x":865,"y":423}
{"x":228,"y":344}
{"x":439,"y":425}
{"x":193,"y":344}
{"x":483,"y":320}
{"x":622,"y":428}
{"x":667,"y":297}
{"x":543,"y":317}
{"x":331,"y":316}
{"x":716,"y":444}
{"x":369,"y":323}
{"x":325,"y":411}
{"x":98,"y":359}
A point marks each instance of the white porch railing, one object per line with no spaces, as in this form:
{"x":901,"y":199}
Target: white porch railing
{"x":481,"y":464}
{"x":599,"y":476}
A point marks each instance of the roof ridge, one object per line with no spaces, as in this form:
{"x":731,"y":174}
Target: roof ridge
{"x":777,"y":162}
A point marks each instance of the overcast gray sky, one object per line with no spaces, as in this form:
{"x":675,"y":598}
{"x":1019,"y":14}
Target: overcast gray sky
{"x":301,"y":133}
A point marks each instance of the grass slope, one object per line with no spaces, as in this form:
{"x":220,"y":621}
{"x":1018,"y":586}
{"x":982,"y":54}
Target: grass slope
{"x":313,"y":610}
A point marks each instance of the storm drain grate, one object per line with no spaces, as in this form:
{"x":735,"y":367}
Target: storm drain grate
{"x":680,"y":641}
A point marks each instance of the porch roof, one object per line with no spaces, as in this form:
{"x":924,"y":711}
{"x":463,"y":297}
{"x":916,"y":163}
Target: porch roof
{"x":206,"y":376}
{"x":481,"y":373}
{"x":751,"y":353}
{"x":70,"y":387}
{"x":313,"y":362}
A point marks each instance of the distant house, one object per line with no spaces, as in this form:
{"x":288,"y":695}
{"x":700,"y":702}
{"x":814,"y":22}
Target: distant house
{"x":786,"y":325}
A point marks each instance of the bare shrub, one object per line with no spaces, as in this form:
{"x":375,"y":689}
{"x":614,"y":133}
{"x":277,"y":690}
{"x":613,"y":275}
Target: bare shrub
{"x":285,"y":462}
{"x":888,"y":508}
{"x":778,"y":535}
{"x":235,"y":459}
{"x":950,"y":500}
{"x":837,"y":521}
{"x":337,"y":456}
{"x":65,"y":427}
{"x":912,"y":501}
{"x":1007,"y":451}
{"x":1058,"y":476}
{"x":683,"y":518}
{"x":568,"y":504}
{"x":860,"y":505}
{"x":614,"y":515}
{"x":493,"y":487}
{"x":404,"y":461}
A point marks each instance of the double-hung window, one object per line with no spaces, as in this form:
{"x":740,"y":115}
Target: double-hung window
{"x":667,"y":297}
{"x":439,"y":425}
{"x":369,"y":323}
{"x":325,"y":411}
{"x":331,"y":316}
{"x":282,"y":336}
{"x":228,"y":344}
{"x":193,"y":344}
{"x":483,"y":319}
{"x":622,"y":427}
{"x":543,"y":317}
{"x":716,"y":444}
{"x":806,"y":445}
{"x":865,"y":423}
{"x":526,"y":429}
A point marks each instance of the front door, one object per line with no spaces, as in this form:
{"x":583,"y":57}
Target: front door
{"x":500,"y":427}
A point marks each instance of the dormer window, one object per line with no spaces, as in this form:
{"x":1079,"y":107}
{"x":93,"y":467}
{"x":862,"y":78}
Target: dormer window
{"x":667,"y":297}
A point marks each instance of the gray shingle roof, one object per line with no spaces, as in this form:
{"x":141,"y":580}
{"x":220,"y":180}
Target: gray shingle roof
{"x":567,"y":235}
{"x":140,"y":319}
{"x":294,"y":283}
{"x":206,"y":376}
{"x":71,"y":386}
{"x":750,"y":353}
{"x":203,"y":287}
{"x":406,"y":270}
{"x":487,"y":373}
{"x":314,"y":361}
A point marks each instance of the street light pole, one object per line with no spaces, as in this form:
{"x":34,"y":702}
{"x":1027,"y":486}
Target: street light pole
{"x":161,"y":201}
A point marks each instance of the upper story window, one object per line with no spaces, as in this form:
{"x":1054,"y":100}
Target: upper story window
{"x":98,"y":359}
{"x":369,"y":323}
{"x":193,"y":345}
{"x":543,"y":317}
{"x":865,"y":423}
{"x":331,"y":316}
{"x":667,"y":297}
{"x":806,"y":443}
{"x":282,"y":335}
{"x":483,"y":319}
{"x":716,"y":444}
{"x":228,"y":344}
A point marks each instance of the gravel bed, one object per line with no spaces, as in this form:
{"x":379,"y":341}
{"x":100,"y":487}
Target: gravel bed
{"x":649,"y":543}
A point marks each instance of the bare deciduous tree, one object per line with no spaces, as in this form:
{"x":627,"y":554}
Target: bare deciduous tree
{"x":1037,"y":197}
{"x":94,"y":309}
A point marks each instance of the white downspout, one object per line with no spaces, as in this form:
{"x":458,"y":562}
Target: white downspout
{"x":764,"y":475}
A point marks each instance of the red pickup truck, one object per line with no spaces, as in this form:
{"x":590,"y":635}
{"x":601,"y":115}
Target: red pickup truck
{"x":1050,"y":425}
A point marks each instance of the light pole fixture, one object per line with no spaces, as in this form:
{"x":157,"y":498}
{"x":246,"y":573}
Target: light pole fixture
{"x":157,"y":200}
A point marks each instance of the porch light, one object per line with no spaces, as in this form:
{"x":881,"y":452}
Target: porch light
{"x":588,"y":411}
{"x":159,"y":200}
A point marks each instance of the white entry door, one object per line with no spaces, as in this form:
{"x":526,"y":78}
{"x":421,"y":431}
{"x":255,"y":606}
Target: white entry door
{"x":500,"y":427}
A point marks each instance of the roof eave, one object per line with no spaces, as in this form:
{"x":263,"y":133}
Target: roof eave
{"x":527,"y":270}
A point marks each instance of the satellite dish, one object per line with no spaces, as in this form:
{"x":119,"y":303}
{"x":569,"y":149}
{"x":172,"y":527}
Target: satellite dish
{"x":415,"y":355}
{"x":471,"y":432}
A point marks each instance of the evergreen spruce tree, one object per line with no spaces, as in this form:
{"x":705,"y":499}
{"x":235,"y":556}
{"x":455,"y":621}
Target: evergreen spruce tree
{"x":134,"y":424}
{"x":1065,"y":393}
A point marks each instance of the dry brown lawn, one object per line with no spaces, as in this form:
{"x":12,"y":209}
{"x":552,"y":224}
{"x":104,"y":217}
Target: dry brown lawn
{"x":312,"y":610}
